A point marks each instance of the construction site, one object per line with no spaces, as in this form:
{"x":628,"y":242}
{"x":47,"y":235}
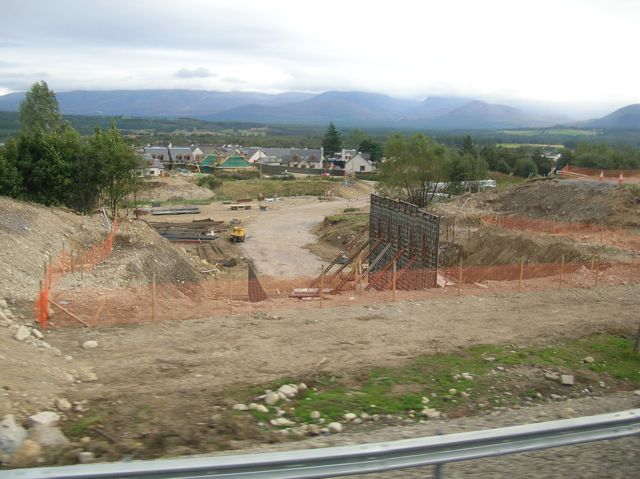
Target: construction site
{"x":192,"y":310}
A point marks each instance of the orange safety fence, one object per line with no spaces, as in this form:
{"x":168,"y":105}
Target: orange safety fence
{"x":620,"y":175}
{"x":224,"y":295}
{"x":68,"y":262}
{"x":582,"y":231}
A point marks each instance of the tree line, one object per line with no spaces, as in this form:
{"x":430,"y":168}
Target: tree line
{"x":50,"y":163}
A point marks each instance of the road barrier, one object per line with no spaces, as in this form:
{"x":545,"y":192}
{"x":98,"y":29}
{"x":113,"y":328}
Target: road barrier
{"x":362,"y":458}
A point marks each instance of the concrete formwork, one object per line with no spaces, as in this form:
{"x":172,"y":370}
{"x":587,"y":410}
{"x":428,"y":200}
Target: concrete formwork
{"x":403,"y":232}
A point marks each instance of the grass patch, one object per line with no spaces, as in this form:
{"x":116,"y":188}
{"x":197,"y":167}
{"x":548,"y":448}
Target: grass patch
{"x":361,"y":218}
{"x":272,"y":187}
{"x":497,"y":379}
{"x":82,"y":426}
{"x":504,"y":181}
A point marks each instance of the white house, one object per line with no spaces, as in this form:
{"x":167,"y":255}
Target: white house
{"x":358,"y":164}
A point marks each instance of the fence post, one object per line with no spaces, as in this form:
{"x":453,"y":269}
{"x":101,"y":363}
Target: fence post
{"x":394,"y":279}
{"x":154,"y":307}
{"x":321,"y":284}
{"x":460,"y":278}
{"x":521,"y":273}
{"x":561,"y":271}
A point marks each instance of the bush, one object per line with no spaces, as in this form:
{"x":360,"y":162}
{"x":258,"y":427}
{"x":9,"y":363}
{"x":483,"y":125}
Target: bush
{"x":236,"y":175}
{"x":210,"y":182}
{"x":525,"y":167}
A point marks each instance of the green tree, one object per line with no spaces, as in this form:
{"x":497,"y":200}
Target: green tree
{"x":114,"y":161}
{"x":40,"y":109}
{"x":414,"y":166}
{"x":525,"y":167}
{"x":373,"y":148}
{"x":467,"y":146}
{"x":331,"y":142}
{"x":10,"y":179}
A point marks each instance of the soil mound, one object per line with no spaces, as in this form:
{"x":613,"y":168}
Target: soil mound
{"x":560,"y":200}
{"x":174,"y":188}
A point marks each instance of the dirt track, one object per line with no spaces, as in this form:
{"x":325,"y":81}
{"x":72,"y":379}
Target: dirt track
{"x":278,"y":238}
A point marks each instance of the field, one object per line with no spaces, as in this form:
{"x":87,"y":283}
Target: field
{"x":552,"y":131}
{"x":403,"y":363}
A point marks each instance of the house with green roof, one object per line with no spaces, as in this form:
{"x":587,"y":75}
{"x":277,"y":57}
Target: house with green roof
{"x":235,"y":162}
{"x":208,"y":164}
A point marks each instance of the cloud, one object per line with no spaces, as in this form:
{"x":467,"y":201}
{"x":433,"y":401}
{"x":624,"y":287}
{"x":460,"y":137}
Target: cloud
{"x":200,"y":72}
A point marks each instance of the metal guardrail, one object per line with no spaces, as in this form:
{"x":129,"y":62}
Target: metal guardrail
{"x":360,"y":459}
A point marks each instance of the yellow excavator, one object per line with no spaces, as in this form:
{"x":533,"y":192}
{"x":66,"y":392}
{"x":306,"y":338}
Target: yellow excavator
{"x":237,"y":234}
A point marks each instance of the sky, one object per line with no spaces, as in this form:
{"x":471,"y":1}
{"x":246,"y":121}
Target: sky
{"x":573,"y":56}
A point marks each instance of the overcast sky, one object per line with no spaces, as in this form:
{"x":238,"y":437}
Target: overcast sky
{"x":580,"y":54}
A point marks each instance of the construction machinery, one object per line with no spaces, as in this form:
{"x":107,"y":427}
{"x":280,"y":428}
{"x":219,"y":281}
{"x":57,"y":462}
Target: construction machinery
{"x":238,"y":234}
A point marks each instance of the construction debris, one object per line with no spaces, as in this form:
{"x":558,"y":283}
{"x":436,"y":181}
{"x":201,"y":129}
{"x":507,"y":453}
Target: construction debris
{"x":176,"y":210}
{"x":202,"y":230}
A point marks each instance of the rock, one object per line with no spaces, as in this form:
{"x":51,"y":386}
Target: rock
{"x":567,"y":413}
{"x":11,"y":435}
{"x":262,"y":408}
{"x":349,"y":416}
{"x":467,"y":376}
{"x":88,"y":376}
{"x":271,"y":398}
{"x":314,"y":415}
{"x":313,"y":430}
{"x":86,"y":457}
{"x":90,"y":345}
{"x":302,"y":387}
{"x":556,"y":397}
{"x":282,"y":421}
{"x":464,"y":395}
{"x":85,"y":440}
{"x":63,"y":405}
{"x":36,"y":333}
{"x":453,"y":391}
{"x":3,"y":304}
{"x":240,"y":407}
{"x":48,"y":436}
{"x":637,"y":392}
{"x":588,"y":360}
{"x":567,"y":380}
{"x":425,"y":400}
{"x":26,"y":455}
{"x":551,"y":376}
{"x":44,"y":418}
{"x":334,"y":427}
{"x":3,"y":317}
{"x":68,"y":358}
{"x":289,"y":390}
{"x":22,"y":333}
{"x":364,"y":416}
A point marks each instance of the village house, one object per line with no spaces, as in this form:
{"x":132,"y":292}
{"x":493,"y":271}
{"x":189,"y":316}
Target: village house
{"x":290,"y":157}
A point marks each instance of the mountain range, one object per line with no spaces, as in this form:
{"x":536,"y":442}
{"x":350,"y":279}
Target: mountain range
{"x":343,"y":108}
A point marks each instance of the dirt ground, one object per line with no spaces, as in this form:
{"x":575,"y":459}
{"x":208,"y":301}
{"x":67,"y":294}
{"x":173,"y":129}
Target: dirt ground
{"x":186,"y":371}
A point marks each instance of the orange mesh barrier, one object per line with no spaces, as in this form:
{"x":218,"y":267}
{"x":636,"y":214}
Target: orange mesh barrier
{"x":581,"y":231}
{"x":222,"y":296}
{"x":67,"y":262}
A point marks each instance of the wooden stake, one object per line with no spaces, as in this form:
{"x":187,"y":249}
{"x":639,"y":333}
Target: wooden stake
{"x":100,"y":306}
{"x":521,"y":274}
{"x":460,"y":278}
{"x":561,"y":271}
{"x":321,"y":284}
{"x":65,"y":310}
{"x":154,"y":310}
{"x":394,"y":279}
{"x":229,"y":281}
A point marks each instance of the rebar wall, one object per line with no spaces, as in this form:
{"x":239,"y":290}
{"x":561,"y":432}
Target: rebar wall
{"x":413,"y":236}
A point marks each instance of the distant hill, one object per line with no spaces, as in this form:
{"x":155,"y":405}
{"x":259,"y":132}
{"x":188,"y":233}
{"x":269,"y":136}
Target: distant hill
{"x":626,"y":118}
{"x":344,"y":108}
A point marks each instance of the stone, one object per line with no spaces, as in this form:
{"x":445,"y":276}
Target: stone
{"x":3,"y":304}
{"x":567,"y":413}
{"x":302,"y":387}
{"x":68,"y":358}
{"x":36,"y":333}
{"x":90,"y":344}
{"x":464,"y":395}
{"x":26,"y":455}
{"x":44,"y":418}
{"x":349,"y":416}
{"x":22,"y":333}
{"x":289,"y":390}
{"x":85,"y":440}
{"x":334,"y":427}
{"x":567,"y":380}
{"x":314,"y":415}
{"x":453,"y":391}
{"x":282,"y":421}
{"x":271,"y":398}
{"x":467,"y":376}
{"x":588,"y":360}
{"x":313,"y":430}
{"x":551,"y":376}
{"x":240,"y":407}
{"x":86,"y":457}
{"x":48,"y":436}
{"x":11,"y":435}
{"x":637,"y":392}
{"x":262,"y":408}
{"x":3,"y":317}
{"x":63,"y":405}
{"x":88,"y":376}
